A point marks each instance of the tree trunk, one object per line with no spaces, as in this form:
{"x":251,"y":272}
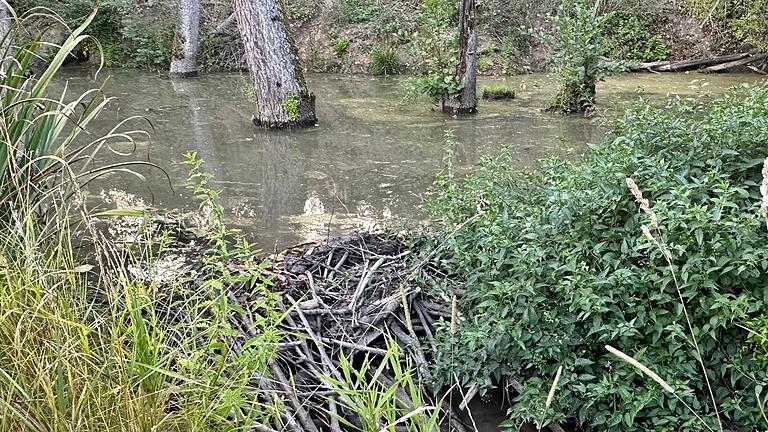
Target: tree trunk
{"x":724,"y":67}
{"x":6,"y":47}
{"x":466,"y":73}
{"x":184,"y":57}
{"x":282,"y":97}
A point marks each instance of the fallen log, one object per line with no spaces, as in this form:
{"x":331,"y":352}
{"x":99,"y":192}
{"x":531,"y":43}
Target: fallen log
{"x":693,"y":64}
{"x":724,"y":67}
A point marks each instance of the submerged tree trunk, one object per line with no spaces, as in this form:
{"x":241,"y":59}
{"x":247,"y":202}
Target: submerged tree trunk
{"x":184,"y":58}
{"x":466,"y":73}
{"x":282,"y":97}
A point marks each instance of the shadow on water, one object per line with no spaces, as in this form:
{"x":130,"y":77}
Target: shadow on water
{"x":371,"y":160}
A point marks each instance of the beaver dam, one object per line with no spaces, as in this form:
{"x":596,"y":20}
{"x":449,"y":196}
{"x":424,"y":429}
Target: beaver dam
{"x":358,"y":313}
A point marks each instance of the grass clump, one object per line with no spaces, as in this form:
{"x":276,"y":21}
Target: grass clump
{"x":364,"y":389}
{"x":498,"y":92}
{"x":384,"y":61}
{"x":558,"y":265}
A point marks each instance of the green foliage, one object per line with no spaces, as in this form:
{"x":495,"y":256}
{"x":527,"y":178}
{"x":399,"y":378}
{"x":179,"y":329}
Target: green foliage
{"x":373,"y":392}
{"x":150,"y":45}
{"x":578,"y":47}
{"x":557,"y":267}
{"x":436,"y":43}
{"x":357,"y":11}
{"x":291,"y":107}
{"x":498,"y":91}
{"x":747,"y":20}
{"x":631,"y":37}
{"x":40,"y":127}
{"x":96,"y":347}
{"x":384,"y":60}
{"x":757,"y":342}
{"x":340,"y":46}
{"x":105,"y":25}
{"x":504,"y":22}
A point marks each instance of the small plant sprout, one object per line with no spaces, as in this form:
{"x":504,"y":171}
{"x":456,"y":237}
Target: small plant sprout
{"x":340,"y":46}
{"x":291,"y":106}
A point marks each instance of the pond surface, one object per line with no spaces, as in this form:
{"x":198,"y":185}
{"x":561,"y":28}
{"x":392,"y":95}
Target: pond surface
{"x":370,"y":160}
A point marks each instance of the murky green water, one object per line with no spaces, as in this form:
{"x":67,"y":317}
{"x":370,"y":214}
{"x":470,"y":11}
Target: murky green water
{"x":370,"y":160}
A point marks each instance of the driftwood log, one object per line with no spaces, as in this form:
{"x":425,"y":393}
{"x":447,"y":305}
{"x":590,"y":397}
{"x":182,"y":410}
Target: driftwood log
{"x":721,"y":63}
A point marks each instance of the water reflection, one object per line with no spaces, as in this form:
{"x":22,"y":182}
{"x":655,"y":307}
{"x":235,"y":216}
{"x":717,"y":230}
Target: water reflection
{"x":371,"y":159}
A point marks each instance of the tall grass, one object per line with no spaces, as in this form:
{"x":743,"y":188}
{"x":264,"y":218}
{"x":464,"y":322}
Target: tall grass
{"x":84,"y":345}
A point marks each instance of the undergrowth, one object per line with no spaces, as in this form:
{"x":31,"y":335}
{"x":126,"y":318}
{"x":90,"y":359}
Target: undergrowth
{"x":86,"y":342}
{"x":557,"y":266}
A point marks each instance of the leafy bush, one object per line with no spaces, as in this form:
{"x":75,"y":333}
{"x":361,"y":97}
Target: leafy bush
{"x":556,"y":267}
{"x":105,"y":25}
{"x":150,"y":45}
{"x":578,"y":46}
{"x":384,"y":61}
{"x":436,"y":43}
{"x":631,"y":37}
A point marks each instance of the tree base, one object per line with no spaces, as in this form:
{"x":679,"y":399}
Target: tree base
{"x":305,"y":117}
{"x":452,"y":108}
{"x":570,"y":109}
{"x":270,"y":124}
{"x":187,"y":74}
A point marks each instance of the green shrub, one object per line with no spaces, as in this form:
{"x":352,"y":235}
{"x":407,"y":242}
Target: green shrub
{"x":436,"y":43}
{"x":150,"y":45}
{"x":578,"y":48}
{"x":105,"y":26}
{"x":340,"y":46}
{"x":357,"y":11}
{"x":384,"y":61}
{"x":556,"y":267}
{"x":291,"y":107}
{"x":631,"y":37}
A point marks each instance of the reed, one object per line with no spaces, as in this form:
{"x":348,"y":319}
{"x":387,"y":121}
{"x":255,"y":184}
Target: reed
{"x":84,"y":345}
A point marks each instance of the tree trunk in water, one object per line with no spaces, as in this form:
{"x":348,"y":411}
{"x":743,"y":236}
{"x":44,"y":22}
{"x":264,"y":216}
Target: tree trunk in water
{"x":466,"y":73}
{"x":282,"y":97}
{"x":184,"y":58}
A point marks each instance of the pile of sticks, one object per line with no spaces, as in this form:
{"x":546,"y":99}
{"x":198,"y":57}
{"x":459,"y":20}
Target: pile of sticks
{"x":347,"y":297}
